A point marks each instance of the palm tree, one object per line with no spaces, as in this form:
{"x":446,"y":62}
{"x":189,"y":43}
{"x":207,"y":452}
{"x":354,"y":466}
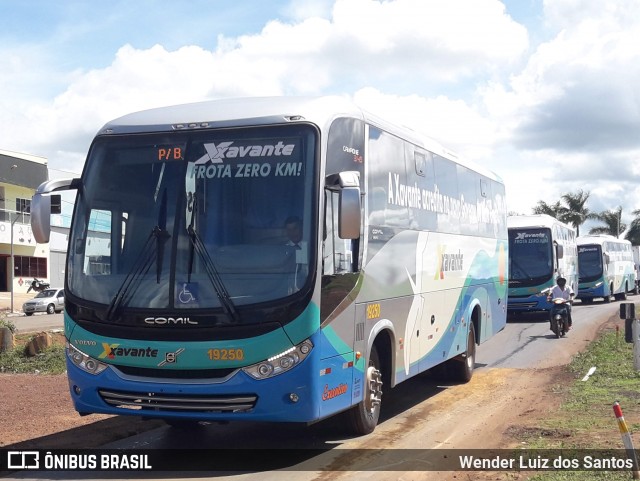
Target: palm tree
{"x":633,"y":234}
{"x":576,"y":212}
{"x":556,"y":210}
{"x":612,"y":220}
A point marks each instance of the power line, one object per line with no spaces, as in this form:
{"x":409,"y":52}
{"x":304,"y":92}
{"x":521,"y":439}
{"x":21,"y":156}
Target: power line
{"x":75,"y":174}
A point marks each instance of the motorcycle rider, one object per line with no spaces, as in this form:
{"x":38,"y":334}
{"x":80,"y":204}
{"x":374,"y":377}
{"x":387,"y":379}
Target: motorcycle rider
{"x":563,"y":291}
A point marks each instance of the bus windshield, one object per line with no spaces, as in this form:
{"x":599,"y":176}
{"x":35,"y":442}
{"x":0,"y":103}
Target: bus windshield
{"x":530,"y":256}
{"x":195,"y":220}
{"x":589,"y":262}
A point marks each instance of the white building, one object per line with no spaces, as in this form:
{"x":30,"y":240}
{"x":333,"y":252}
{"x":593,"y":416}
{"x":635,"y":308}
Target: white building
{"x":20,"y":176}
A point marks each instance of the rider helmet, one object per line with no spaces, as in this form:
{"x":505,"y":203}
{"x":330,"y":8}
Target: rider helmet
{"x":561,"y":281}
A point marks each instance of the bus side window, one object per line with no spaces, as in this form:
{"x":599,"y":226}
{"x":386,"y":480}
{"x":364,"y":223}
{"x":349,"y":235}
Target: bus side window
{"x":97,"y":249}
{"x":338,"y":254}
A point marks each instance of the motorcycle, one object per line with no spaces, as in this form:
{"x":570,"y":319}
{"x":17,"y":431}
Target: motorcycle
{"x":38,"y":286}
{"x":560,"y":316}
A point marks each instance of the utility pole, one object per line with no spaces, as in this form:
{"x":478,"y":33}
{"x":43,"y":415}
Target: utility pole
{"x":13,"y":266}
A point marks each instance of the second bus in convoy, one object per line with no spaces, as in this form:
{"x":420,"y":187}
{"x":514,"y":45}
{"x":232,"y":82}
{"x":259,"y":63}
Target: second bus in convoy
{"x":541,"y":248}
{"x":606,"y":268}
{"x":273,"y":259}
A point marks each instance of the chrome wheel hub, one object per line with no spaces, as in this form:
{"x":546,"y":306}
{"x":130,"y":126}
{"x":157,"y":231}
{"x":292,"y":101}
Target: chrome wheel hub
{"x":374,"y":383}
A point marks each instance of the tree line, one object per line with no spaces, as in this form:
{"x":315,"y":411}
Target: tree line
{"x":572,"y":209}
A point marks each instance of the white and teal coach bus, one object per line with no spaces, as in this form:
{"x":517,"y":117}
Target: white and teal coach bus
{"x":541,"y":248}
{"x":199,"y":308}
{"x":606,"y":268}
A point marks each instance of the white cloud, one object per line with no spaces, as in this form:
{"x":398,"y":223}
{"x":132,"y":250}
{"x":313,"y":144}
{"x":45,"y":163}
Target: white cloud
{"x":362,"y":43}
{"x":454,"y":69}
{"x":453,"y":123}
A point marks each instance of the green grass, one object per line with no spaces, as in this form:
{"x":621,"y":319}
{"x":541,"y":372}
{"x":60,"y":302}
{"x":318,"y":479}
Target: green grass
{"x":50,"y":361}
{"x":586,"y":420}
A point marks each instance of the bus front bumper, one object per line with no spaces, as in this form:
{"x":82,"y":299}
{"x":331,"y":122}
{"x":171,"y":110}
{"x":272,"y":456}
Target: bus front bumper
{"x":530,"y":303}
{"x":587,"y":292}
{"x":287,"y":397}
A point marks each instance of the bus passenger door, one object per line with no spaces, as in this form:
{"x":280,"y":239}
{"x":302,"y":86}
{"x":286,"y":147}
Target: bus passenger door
{"x":340,"y":271}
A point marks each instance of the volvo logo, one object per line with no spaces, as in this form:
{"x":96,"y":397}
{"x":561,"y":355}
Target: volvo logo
{"x":163,"y":321}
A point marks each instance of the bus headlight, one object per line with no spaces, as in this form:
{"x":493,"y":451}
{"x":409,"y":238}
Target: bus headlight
{"x":280,"y":363}
{"x":84,"y":362}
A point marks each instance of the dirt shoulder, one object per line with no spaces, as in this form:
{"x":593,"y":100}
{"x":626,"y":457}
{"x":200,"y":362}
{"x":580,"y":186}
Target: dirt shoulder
{"x":494,"y":410}
{"x":38,"y":413}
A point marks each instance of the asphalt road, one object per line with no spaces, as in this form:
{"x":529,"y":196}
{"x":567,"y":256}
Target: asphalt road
{"x":408,"y":421}
{"x":37,"y":322}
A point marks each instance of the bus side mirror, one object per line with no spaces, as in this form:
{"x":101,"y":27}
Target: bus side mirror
{"x":349,"y":207}
{"x":559,"y":251}
{"x":43,"y":204}
{"x":349,"y":213}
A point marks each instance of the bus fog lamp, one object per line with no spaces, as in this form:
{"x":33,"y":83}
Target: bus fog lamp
{"x":293,"y":397}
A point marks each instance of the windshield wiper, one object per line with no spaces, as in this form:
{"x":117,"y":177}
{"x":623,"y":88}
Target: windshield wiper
{"x":140,"y":267}
{"x":210,"y":268}
{"x":144,"y":260}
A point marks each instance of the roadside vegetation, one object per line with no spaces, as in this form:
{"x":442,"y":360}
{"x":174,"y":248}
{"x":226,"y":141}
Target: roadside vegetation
{"x":572,"y":209}
{"x":584,"y":419}
{"x":17,"y":361}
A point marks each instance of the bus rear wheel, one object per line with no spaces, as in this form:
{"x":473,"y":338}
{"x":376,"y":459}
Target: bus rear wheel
{"x":363,"y":417}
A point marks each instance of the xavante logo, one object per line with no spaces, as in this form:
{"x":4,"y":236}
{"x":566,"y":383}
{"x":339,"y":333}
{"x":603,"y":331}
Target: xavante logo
{"x":226,"y":150}
{"x":527,"y":235}
{"x":448,"y":262}
{"x":111,"y":351}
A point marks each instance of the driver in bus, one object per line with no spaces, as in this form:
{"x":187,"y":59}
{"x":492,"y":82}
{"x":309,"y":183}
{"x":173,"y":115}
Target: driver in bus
{"x":563,"y":291}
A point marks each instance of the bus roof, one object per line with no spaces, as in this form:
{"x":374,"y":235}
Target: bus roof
{"x":255,"y":111}
{"x":600,"y":239}
{"x":535,"y":220}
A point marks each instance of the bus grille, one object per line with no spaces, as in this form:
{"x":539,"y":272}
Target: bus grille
{"x":178,"y":402}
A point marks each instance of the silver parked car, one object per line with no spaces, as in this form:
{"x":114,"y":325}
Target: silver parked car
{"x":49,"y":301}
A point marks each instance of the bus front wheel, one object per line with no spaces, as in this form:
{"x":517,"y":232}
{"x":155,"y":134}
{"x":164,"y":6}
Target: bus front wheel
{"x":607,"y":298}
{"x":461,"y":367}
{"x":363,"y":417}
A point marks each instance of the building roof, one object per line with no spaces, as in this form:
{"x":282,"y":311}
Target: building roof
{"x":25,"y":170}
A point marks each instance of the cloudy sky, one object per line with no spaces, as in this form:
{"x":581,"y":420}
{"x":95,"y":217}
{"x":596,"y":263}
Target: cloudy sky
{"x":544,"y":92}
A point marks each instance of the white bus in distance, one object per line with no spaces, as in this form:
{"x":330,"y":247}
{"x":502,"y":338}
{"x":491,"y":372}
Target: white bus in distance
{"x":606,"y":268}
{"x":541,"y":249}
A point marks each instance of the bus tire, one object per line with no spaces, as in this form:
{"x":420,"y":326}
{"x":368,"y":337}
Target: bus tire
{"x":363,"y":417}
{"x":460,"y":368}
